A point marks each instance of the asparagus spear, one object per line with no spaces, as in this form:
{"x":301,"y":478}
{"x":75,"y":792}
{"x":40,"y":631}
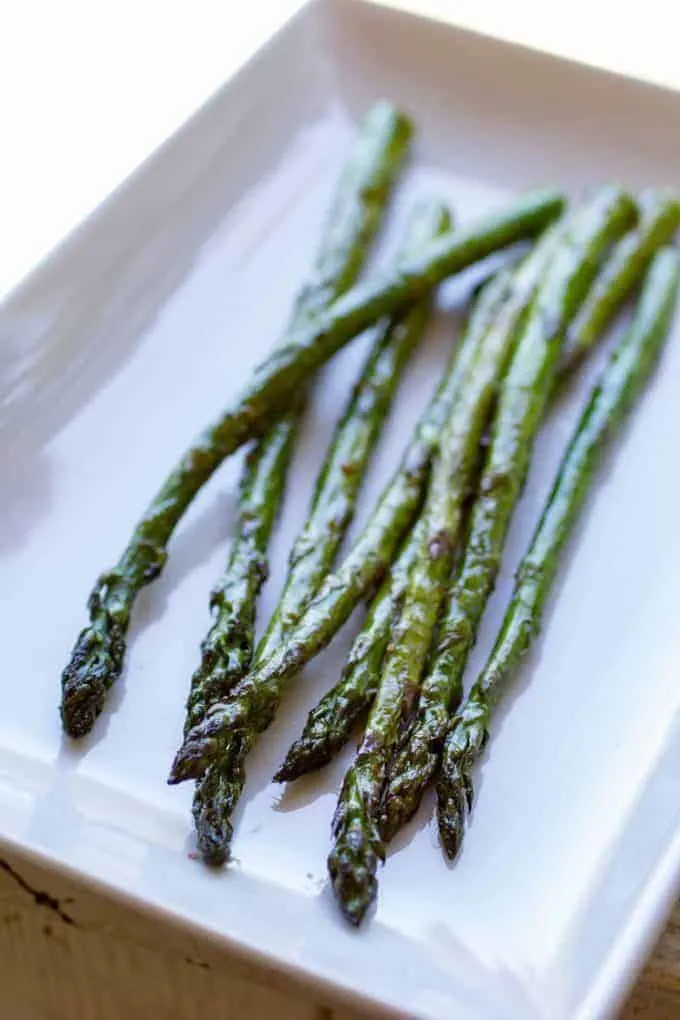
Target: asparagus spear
{"x":330,"y":514}
{"x":339,"y":594}
{"x":97,"y":658}
{"x":358,"y":205}
{"x":330,"y":723}
{"x":354,"y":217}
{"x":253,"y":702}
{"x":659,"y":220}
{"x":619,"y":386}
{"x":227,"y":649}
{"x":357,"y":844}
{"x":522,"y":401}
{"x":342,"y":473}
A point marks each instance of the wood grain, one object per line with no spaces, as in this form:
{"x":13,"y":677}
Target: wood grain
{"x":70,"y":954}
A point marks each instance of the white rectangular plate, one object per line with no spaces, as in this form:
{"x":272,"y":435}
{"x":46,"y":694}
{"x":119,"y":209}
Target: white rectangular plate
{"x":134,"y":334}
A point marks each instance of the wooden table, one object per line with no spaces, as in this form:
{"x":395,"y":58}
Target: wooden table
{"x":67,"y":954}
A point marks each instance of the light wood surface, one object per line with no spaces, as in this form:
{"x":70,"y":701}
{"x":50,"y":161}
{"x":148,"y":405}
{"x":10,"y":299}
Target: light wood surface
{"x":69,"y":954}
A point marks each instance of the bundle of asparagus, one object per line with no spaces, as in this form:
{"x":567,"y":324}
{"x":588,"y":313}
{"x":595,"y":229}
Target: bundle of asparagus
{"x":314,"y":552}
{"x":427,"y":558}
{"x":226,"y":652}
{"x":618,"y":387}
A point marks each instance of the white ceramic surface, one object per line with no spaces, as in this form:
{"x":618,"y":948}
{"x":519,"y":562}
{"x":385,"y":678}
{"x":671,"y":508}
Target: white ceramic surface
{"x":133,"y":335}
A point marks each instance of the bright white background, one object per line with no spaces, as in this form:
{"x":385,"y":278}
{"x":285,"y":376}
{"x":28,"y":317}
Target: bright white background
{"x":88,"y":88}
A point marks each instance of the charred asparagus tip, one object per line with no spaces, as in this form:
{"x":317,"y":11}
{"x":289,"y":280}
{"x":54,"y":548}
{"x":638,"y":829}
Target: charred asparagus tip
{"x":213,"y":840}
{"x":352,"y":866}
{"x":79,"y":711}
{"x":452,"y":813}
{"x":192,"y":759}
{"x":85,"y":682}
{"x":289,"y":769}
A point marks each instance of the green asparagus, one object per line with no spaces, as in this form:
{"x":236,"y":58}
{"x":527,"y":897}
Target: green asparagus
{"x":344,"y":467}
{"x":341,"y":591}
{"x":227,"y":649}
{"x":659,"y":220}
{"x":330,"y":723}
{"x":330,"y":514}
{"x":351,"y":225}
{"x":364,"y":190}
{"x":253,"y":703}
{"x":357,"y":844}
{"x":522,"y":401}
{"x":618,"y":388}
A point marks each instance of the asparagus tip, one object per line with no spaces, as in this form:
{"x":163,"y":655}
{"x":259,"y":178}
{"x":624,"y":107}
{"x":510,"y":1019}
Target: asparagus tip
{"x":357,"y":848}
{"x":192,"y":759}
{"x":352,"y":866}
{"x":454,"y":803}
{"x":93,"y":668}
{"x":214,"y":834}
{"x":455,"y":792}
{"x":295,"y":764}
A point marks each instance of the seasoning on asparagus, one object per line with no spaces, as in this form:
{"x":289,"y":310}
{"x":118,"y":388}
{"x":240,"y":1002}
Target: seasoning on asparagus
{"x":330,"y":514}
{"x":357,"y":844}
{"x":522,"y":401}
{"x":359,"y":203}
{"x":330,"y":723}
{"x":339,"y":481}
{"x":227,"y":649}
{"x":618,"y":388}
{"x":253,"y":702}
{"x":354,"y":218}
{"x":97,"y":658}
{"x":659,"y":220}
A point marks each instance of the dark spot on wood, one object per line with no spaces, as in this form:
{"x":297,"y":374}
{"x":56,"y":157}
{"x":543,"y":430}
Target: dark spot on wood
{"x":40,"y":898}
{"x":197,"y":963}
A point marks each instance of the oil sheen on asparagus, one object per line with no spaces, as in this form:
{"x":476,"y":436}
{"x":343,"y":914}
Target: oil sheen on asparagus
{"x":253,"y":702}
{"x":357,"y":846}
{"x":618,"y":388}
{"x":412,"y":766}
{"x":356,"y":212}
{"x":97,"y":658}
{"x":357,"y":843}
{"x":330,"y":723}
{"x":330,"y":515}
{"x":354,"y":218}
{"x":523,"y":398}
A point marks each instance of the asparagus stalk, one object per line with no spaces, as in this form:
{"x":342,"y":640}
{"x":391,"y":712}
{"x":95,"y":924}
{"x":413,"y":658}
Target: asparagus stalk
{"x":227,"y":648}
{"x":339,"y":593}
{"x":364,"y":189}
{"x":330,"y":514}
{"x":659,"y":220}
{"x":339,"y":481}
{"x":329,"y":725}
{"x":357,"y":844}
{"x":352,"y":222}
{"x":618,"y":388}
{"x":355,"y":214}
{"x":97,"y":658}
{"x":522,"y":402}
{"x":253,"y":702}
